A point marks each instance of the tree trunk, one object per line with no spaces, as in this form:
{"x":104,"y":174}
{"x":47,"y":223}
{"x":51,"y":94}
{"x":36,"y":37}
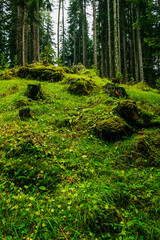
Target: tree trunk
{"x":63,"y":32}
{"x":74,"y":43}
{"x":109,"y":41}
{"x":24,"y":38}
{"x":116,"y":53}
{"x":125,"y":57}
{"x":58,"y":27}
{"x":134,"y":48}
{"x":140,"y":50}
{"x":33,"y":42}
{"x":19,"y":35}
{"x":37,"y":33}
{"x":119,"y":36}
{"x":84,"y":32}
{"x":94,"y":33}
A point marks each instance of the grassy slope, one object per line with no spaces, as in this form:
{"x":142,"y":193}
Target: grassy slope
{"x":59,"y":181}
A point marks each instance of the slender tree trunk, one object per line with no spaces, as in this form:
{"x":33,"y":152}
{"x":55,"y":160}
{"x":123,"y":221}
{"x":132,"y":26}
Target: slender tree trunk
{"x":116,"y":53}
{"x":125,"y":57}
{"x":134,"y":48}
{"x":140,"y":51}
{"x":33,"y":42}
{"x":19,"y":35}
{"x":74,"y":42}
{"x":37,"y":33}
{"x":119,"y":36}
{"x":58,"y":27}
{"x":84,"y":32}
{"x":109,"y":41}
{"x":24,"y":37}
{"x":63,"y":32}
{"x":94,"y":33}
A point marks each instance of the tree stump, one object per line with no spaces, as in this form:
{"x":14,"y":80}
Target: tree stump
{"x":24,"y":113}
{"x":115,"y":91}
{"x":34,"y":91}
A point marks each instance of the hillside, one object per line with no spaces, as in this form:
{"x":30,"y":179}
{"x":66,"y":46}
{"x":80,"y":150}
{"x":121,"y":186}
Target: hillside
{"x":78,"y":167}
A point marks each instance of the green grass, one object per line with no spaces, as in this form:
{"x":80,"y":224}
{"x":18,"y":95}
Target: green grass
{"x":58,"y":180}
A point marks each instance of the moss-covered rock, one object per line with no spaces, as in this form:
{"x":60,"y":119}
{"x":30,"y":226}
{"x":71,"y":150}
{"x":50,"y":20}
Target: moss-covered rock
{"x":128,"y":110}
{"x":77,"y":68}
{"x":81,"y":86}
{"x":146,"y":149}
{"x":41,"y":73}
{"x":112,"y":129}
{"x":8,"y":75}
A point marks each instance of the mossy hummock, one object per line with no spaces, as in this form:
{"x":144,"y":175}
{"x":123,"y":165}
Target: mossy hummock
{"x":112,"y":129}
{"x":41,"y":73}
{"x":128,"y":110}
{"x":81,"y":86}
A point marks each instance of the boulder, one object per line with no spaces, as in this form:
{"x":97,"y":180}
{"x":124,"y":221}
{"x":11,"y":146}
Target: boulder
{"x":112,"y":129}
{"x":128,"y":110}
{"x":81,"y":86}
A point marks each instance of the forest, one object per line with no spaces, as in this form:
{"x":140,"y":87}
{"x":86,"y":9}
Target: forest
{"x":124,"y":38}
{"x":80,"y":120}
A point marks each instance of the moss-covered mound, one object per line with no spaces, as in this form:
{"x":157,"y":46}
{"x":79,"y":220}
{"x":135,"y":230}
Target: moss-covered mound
{"x":112,"y":129}
{"x":135,"y":116}
{"x":8,"y":75}
{"x":146,"y":150}
{"x":81,"y":86}
{"x":42,"y":73}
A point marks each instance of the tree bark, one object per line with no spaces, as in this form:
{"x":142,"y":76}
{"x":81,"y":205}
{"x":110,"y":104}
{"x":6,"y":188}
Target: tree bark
{"x":63,"y":32}
{"x":37,"y":33}
{"x":119,"y":36}
{"x":116,"y":53}
{"x":84,"y":32}
{"x":74,"y":43}
{"x":19,"y":35}
{"x":94,"y":33}
{"x":140,"y":50}
{"x":134,"y":48}
{"x":58,"y":28}
{"x":109,"y":41}
{"x":125,"y":57}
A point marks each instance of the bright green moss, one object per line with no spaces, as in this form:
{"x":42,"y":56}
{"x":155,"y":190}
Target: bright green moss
{"x":81,"y":86}
{"x":113,"y":128}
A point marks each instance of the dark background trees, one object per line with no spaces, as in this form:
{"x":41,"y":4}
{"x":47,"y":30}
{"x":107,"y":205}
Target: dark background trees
{"x":124,"y":39}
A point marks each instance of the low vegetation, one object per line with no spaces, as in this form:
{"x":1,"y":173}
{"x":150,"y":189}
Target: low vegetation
{"x":77,"y":168}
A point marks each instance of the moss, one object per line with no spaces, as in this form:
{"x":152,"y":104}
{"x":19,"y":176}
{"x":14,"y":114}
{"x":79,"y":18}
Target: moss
{"x":128,"y":110}
{"x":81,"y":86}
{"x":77,"y":68}
{"x":20,"y":103}
{"x":8,"y":75}
{"x":42,"y":73}
{"x":115,"y":91}
{"x":146,"y":150}
{"x":34,"y":92}
{"x":112,"y":129}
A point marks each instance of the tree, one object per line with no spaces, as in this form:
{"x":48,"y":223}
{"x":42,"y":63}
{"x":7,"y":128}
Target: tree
{"x":94,"y":32}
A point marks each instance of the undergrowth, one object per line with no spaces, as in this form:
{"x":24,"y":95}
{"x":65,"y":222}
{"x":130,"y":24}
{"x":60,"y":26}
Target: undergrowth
{"x":59,"y":180}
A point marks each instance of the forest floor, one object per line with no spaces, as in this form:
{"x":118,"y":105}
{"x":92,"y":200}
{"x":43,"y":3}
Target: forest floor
{"x":59,"y":180}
